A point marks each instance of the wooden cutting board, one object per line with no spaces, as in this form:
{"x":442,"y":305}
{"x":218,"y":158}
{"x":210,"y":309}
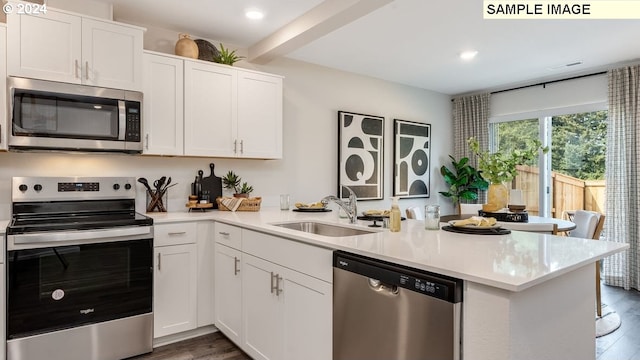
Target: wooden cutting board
{"x":211,"y":186}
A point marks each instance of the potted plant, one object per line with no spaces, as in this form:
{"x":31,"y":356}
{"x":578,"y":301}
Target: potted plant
{"x":227,"y":57}
{"x":464,"y":181}
{"x":499,"y":168}
{"x":232,"y":181}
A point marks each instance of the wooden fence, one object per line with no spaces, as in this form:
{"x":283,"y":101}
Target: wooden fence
{"x":569,"y":193}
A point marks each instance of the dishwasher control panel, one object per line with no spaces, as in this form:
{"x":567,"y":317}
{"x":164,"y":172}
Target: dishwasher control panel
{"x":426,"y":283}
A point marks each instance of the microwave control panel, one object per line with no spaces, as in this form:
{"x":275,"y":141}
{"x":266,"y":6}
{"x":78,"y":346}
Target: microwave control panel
{"x":133,"y":127}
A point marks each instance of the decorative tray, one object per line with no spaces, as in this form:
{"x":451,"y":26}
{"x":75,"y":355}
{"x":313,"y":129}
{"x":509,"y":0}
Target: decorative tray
{"x":476,"y":231}
{"x":310,"y":209}
{"x":521,"y":216}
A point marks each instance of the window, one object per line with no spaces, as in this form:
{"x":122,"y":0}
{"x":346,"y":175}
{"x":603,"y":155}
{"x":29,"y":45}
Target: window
{"x":571,"y":175}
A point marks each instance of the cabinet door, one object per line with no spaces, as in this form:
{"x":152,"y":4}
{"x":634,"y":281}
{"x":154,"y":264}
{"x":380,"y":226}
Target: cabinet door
{"x":259,"y":115}
{"x":308,"y":304}
{"x":45,"y":46}
{"x":3,"y":88}
{"x":174,"y":289}
{"x":163,"y":105}
{"x":210,"y":109}
{"x":111,"y":55}
{"x":228,"y":292}
{"x":261,"y":309}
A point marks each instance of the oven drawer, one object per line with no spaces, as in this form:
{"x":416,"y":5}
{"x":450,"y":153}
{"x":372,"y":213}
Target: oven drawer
{"x":175,"y":233}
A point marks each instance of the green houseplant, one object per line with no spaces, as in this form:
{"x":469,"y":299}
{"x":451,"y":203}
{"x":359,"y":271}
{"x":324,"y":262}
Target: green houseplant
{"x":463,"y":180}
{"x":233,"y":182}
{"x":499,"y":168}
{"x":227,"y":56}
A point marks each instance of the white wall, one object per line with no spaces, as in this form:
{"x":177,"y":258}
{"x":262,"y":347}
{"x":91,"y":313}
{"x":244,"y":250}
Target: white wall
{"x":312,"y":97}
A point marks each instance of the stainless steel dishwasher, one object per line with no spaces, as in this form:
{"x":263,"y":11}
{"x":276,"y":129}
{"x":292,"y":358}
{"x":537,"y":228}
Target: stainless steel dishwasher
{"x":390,"y":312}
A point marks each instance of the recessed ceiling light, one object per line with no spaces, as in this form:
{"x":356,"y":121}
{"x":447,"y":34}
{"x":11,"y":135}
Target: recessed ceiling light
{"x":254,"y":14}
{"x":468,"y":55}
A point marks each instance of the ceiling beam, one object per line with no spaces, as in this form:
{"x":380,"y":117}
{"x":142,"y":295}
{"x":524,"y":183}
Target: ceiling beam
{"x":317,"y":22}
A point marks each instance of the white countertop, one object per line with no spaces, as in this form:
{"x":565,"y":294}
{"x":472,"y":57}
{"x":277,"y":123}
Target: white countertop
{"x":511,"y":262}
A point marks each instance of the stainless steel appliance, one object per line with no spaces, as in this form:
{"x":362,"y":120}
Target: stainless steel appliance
{"x":80,"y":270}
{"x":52,"y":115}
{"x":386,"y":311}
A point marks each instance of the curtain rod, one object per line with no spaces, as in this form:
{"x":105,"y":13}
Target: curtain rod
{"x":544,"y":83}
{"x":548,"y":82}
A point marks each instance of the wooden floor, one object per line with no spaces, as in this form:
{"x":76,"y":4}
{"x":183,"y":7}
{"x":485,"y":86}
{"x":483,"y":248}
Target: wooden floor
{"x":622,"y":344}
{"x":208,"y":347}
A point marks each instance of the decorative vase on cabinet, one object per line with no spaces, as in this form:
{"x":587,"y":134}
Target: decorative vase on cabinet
{"x":497,"y":197}
{"x":186,"y":47}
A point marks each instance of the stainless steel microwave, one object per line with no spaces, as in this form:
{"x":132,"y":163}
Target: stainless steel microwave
{"x":69,"y":117}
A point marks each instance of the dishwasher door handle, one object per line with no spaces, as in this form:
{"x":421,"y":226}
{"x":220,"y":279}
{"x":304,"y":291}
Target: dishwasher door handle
{"x":382,"y":288}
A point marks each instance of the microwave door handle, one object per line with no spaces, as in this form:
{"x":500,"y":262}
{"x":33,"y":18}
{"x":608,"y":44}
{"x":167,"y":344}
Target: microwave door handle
{"x":122,"y":119}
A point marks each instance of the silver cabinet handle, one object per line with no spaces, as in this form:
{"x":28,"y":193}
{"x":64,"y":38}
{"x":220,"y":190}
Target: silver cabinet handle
{"x":235,"y":146}
{"x":177,"y":233}
{"x":236,"y":269}
{"x":76,"y":68}
{"x":274,"y":276}
{"x":241,"y":146}
{"x":146,"y":140}
{"x":159,"y":261}
{"x":278,"y":289}
{"x":86,"y":64}
{"x":223,"y":233}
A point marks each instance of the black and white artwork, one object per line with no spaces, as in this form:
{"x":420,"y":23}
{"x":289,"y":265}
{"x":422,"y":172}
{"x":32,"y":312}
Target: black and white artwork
{"x":412,"y":159}
{"x":360,"y":155}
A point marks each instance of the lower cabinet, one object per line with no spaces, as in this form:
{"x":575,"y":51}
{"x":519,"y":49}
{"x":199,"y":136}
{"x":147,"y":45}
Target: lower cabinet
{"x":175,"y":279}
{"x":228,"y":294}
{"x":265,"y":305}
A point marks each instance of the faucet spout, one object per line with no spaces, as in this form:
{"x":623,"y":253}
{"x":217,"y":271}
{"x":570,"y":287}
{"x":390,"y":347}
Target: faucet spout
{"x":351,"y":208}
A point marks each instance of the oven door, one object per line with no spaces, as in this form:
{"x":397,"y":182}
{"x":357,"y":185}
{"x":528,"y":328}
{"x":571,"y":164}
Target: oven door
{"x":59,"y":287}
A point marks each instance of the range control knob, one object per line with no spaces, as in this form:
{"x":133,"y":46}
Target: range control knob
{"x":37,"y":187}
{"x":116,"y":186}
{"x":23,"y":187}
{"x":127,"y":186}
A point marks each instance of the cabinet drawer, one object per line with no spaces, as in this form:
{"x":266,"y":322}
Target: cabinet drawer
{"x":228,"y":235}
{"x":175,"y":233}
{"x":307,"y":259}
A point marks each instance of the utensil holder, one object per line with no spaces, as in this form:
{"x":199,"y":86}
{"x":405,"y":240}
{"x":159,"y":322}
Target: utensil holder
{"x":157,"y":201}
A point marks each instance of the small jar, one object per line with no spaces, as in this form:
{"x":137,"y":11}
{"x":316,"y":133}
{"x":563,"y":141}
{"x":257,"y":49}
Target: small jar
{"x":432,"y":217}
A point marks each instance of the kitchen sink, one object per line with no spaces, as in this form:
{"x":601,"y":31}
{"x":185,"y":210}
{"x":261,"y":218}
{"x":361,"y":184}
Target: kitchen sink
{"x":323,"y":229}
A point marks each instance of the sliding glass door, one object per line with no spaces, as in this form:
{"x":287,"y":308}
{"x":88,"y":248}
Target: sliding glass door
{"x":568,"y":177}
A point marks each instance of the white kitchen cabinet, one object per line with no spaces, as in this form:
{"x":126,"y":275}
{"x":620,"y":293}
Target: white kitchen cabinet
{"x":4,"y":125}
{"x":232,"y":112}
{"x":287,"y":314}
{"x":205,"y":275}
{"x":228,"y":294}
{"x":175,"y":278}
{"x":259,"y":115}
{"x":63,"y":46}
{"x":210,"y":109}
{"x":273,"y":295}
{"x":163,"y":105}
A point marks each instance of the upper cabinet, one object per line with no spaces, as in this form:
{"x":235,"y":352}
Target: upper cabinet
{"x":231,"y":112}
{"x":227,"y":112}
{"x":62,"y":46}
{"x":163,"y":105}
{"x":3,"y":88}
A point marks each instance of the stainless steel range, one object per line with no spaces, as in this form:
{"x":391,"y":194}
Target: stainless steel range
{"x":80,"y":271}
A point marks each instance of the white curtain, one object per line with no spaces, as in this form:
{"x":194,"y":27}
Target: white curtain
{"x":622,"y":175}
{"x":470,"y":119}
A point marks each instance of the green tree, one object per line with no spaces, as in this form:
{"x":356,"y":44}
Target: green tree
{"x":578,"y":145}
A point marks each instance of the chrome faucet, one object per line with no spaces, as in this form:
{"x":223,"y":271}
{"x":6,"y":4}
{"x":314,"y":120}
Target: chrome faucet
{"x":350,"y":208}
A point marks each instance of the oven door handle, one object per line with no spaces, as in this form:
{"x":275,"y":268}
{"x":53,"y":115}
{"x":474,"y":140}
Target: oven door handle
{"x":81,"y":236}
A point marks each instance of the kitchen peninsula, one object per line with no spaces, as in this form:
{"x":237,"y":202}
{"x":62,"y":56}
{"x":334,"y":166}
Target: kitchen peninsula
{"x":526,"y":295}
